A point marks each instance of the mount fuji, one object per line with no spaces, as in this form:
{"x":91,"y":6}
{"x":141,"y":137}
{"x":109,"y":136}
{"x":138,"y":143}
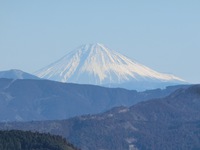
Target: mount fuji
{"x":98,"y":65}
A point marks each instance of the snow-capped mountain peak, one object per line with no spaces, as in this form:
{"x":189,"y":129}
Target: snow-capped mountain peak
{"x":96,"y":64}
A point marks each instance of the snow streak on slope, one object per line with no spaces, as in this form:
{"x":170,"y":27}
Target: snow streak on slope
{"x":96,"y":64}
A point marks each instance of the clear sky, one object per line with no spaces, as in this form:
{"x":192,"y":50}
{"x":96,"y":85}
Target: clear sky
{"x":163,"y":35}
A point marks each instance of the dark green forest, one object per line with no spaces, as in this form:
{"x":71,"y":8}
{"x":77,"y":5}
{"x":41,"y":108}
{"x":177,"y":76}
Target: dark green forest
{"x":27,"y":140}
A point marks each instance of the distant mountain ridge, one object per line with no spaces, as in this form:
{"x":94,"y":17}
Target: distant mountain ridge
{"x":26,"y":100}
{"x":16,"y":74}
{"x":98,"y":65}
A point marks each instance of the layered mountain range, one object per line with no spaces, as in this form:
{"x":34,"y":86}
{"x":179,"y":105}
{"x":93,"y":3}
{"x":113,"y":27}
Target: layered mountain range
{"x":85,"y":82}
{"x":169,"y":123}
{"x":88,"y":65}
{"x":26,"y":100}
{"x":98,"y":65}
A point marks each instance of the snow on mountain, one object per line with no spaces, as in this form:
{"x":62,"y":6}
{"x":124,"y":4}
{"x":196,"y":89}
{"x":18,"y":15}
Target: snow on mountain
{"x":98,"y":65}
{"x":16,"y":74}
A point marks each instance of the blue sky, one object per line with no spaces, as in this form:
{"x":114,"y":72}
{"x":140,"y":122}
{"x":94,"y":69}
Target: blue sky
{"x":163,"y":35}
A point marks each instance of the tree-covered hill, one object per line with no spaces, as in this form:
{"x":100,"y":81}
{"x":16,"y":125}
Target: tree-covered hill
{"x":27,"y":140}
